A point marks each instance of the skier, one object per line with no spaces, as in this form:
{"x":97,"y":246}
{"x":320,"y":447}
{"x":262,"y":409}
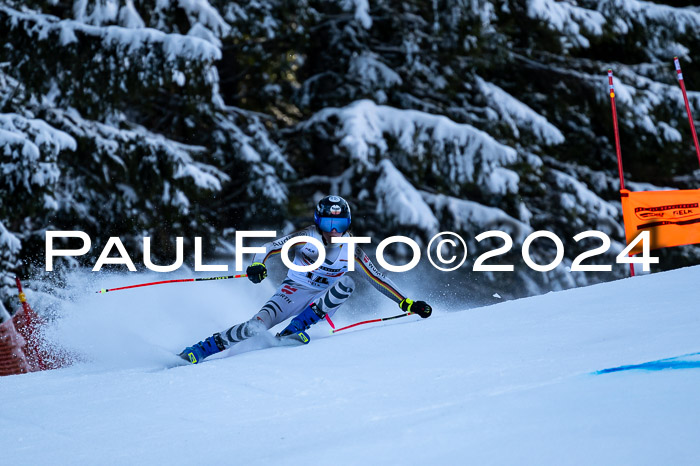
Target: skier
{"x":308,"y":296}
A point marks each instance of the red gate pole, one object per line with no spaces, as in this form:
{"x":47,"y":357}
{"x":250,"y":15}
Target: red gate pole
{"x":28,"y":330}
{"x":679,"y":74}
{"x":617,"y":141}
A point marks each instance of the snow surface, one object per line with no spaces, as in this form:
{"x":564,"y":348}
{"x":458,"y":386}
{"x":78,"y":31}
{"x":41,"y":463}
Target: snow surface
{"x":512,"y":383}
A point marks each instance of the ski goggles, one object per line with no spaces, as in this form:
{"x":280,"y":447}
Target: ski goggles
{"x":329,"y":224}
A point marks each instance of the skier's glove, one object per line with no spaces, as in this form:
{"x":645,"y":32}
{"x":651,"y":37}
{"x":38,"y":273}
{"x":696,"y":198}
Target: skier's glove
{"x":421,"y":308}
{"x":256,"y":272}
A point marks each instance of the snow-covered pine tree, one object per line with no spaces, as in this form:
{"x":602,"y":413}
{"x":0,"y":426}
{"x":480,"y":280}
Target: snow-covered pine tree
{"x":29,"y":168}
{"x":116,"y":127}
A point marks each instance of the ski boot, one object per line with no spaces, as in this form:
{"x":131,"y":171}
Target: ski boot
{"x":297,"y":327}
{"x":196,"y":353}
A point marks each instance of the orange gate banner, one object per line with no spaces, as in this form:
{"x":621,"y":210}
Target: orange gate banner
{"x":671,"y":217}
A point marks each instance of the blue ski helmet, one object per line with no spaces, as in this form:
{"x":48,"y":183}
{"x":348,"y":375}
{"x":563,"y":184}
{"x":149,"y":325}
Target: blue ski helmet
{"x":332,"y":213}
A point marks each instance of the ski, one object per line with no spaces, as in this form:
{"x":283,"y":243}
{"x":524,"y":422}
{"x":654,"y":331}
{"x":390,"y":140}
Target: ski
{"x":299,"y":338}
{"x":294,"y":339}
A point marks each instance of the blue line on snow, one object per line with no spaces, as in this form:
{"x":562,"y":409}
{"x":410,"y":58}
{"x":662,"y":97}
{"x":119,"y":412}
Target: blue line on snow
{"x":677,"y":362}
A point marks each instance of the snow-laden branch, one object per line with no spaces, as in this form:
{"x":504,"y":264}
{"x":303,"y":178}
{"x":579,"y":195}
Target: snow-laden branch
{"x":174,"y":46}
{"x":466,"y":215}
{"x":372,"y":72}
{"x":360,"y":9}
{"x":518,"y":115}
{"x":30,"y":148}
{"x":459,"y":152}
{"x":400,"y":201}
{"x":576,"y":196}
{"x":116,"y":143}
{"x":681,"y":20}
{"x":568,"y":19}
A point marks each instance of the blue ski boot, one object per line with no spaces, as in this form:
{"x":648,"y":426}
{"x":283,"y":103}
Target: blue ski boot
{"x":297,"y":327}
{"x":196,"y":353}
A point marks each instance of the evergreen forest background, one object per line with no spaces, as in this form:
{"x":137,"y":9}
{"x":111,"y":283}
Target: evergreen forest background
{"x":169,"y":118}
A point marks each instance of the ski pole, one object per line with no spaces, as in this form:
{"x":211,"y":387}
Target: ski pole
{"x":335,"y":330}
{"x":105,"y":290}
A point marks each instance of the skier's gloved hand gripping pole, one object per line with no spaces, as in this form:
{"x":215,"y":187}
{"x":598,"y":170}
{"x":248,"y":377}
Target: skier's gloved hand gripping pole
{"x":257,"y":272}
{"x":421,"y":308}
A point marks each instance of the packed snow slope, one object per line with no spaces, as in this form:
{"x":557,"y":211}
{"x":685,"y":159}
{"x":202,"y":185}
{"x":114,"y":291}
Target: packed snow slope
{"x":606,"y":374}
